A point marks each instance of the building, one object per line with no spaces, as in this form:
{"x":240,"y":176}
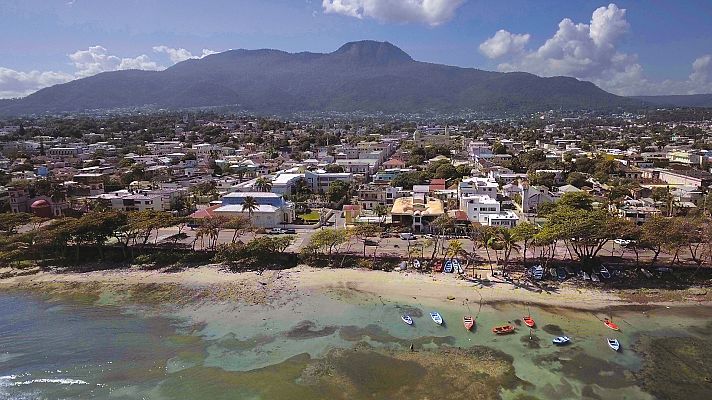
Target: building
{"x":478,"y":186}
{"x":284,"y":183}
{"x":319,"y":180}
{"x":272,"y":210}
{"x":417,"y":211}
{"x":487,"y":211}
{"x":371,"y":195}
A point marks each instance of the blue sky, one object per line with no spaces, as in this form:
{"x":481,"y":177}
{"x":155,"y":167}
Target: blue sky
{"x":627,"y":47}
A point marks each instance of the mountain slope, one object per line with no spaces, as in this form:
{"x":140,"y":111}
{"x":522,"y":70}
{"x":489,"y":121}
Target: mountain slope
{"x":692,"y":100}
{"x":359,"y":76}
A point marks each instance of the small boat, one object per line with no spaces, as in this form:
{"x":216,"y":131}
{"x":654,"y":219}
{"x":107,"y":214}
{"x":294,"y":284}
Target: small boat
{"x":605,"y":274}
{"x":561,"y":273}
{"x":614,"y":344}
{"x":503,"y":330}
{"x":528,"y":321}
{"x":611,"y":324}
{"x":537,"y":272}
{"x":552,"y":272}
{"x":436,"y":317}
{"x":448,"y":267}
{"x":595,"y":278}
{"x":407,"y":319}
{"x":646,"y":273}
{"x":438,"y":267}
{"x":586,"y":276}
{"x":457,"y":268}
{"x":416,"y":264}
{"x":561,"y":340}
{"x":468,"y":321}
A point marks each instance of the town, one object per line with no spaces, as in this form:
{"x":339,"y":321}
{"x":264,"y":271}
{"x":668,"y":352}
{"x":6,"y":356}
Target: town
{"x":245,"y":188}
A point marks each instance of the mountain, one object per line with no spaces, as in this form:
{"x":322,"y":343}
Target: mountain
{"x":692,"y":100}
{"x":360,"y":76}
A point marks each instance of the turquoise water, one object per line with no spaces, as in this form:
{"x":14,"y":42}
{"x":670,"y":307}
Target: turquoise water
{"x":61,"y":348}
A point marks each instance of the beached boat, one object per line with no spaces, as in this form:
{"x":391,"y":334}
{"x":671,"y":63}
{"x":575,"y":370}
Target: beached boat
{"x":586,"y":276}
{"x":468,"y":321}
{"x":438,"y":266}
{"x":448,"y":266}
{"x":561,"y":273}
{"x":537,"y":272}
{"x":605,"y":274}
{"x":595,"y":278}
{"x":528,"y":321}
{"x":503,"y":330}
{"x":456,"y":266}
{"x":436,"y":317}
{"x":416,"y":264}
{"x":614,"y":344}
{"x":561,"y":340}
{"x":407,"y":319}
{"x":611,"y":324}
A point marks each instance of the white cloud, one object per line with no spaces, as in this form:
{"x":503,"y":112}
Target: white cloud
{"x":590,"y":52}
{"x":178,"y":55}
{"x":17,"y":84}
{"x":503,"y":43}
{"x":94,"y":60}
{"x":431,"y":12}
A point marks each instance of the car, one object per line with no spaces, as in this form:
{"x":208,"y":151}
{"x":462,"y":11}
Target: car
{"x":289,"y":231}
{"x":407,"y":236}
{"x":275,"y":231}
{"x":622,"y":242}
{"x":385,"y":235}
{"x":369,"y":242}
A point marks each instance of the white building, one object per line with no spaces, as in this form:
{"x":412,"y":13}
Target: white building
{"x":487,"y":211}
{"x":272,"y":210}
{"x":319,"y":180}
{"x":478,"y":186}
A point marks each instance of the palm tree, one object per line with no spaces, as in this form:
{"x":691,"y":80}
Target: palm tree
{"x":263,"y":184}
{"x":381,"y":211}
{"x":508,"y":242}
{"x":249,"y":205}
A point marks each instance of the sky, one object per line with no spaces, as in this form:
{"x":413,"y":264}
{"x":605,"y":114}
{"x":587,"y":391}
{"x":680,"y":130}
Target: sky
{"x":629,"y":47}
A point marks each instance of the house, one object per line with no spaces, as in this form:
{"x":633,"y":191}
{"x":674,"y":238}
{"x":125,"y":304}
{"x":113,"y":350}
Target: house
{"x":417,"y":211}
{"x":487,"y":211}
{"x":370,"y":195}
{"x":478,"y":186}
{"x":284,"y":182}
{"x":272,"y":210}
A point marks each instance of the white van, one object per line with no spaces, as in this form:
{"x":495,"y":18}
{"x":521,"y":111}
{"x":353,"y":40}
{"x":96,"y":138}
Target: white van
{"x":407,"y":236}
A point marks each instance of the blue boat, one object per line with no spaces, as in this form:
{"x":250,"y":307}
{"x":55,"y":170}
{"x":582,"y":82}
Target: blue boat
{"x":537,"y":272}
{"x":448,"y":266}
{"x":561,"y":273}
{"x":436,"y":317}
{"x":407,"y":319}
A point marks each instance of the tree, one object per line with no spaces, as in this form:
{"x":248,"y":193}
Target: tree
{"x":239,"y":224}
{"x":505,"y":240}
{"x":381,"y":211}
{"x":249,"y":205}
{"x":577,"y":179}
{"x":482,"y":237}
{"x":654,"y":234}
{"x":446,"y":171}
{"x":364,"y":233}
{"x":576,"y":201}
{"x":441,"y":225}
{"x":334,"y":168}
{"x":338,"y":191}
{"x":525,"y":232}
{"x":263,"y":184}
{"x":327,"y":241}
{"x":9,"y":222}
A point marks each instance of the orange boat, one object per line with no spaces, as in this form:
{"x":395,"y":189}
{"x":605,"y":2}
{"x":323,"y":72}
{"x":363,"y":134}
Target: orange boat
{"x":503,"y":330}
{"x":610,"y":324}
{"x":468,"y":321}
{"x":528,"y":321}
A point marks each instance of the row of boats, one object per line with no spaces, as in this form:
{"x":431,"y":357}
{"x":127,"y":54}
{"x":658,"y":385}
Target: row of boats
{"x":538,"y":273}
{"x":469,"y":322}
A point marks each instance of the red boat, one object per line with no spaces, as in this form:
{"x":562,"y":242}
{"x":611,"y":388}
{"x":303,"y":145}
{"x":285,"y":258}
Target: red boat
{"x":438,"y":267}
{"x":503,"y":330}
{"x":610,"y":324}
{"x":528,"y":321}
{"x":468,"y":321}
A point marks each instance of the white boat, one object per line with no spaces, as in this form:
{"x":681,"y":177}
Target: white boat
{"x":436,"y":317}
{"x":595,"y":278}
{"x":605,"y":274}
{"x":456,"y":265}
{"x":561,"y":340}
{"x":416,"y":264}
{"x":586,"y":276}
{"x":407,"y":319}
{"x":614,"y":344}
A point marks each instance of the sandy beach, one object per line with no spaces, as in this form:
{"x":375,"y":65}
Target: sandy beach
{"x":270,"y":286}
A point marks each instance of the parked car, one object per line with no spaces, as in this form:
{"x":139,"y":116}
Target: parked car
{"x":407,"y":236}
{"x":289,"y":231}
{"x":275,"y":231}
{"x":622,"y":242}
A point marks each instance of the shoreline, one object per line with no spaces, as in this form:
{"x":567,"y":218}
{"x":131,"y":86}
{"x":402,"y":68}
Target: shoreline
{"x":212,"y":283}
